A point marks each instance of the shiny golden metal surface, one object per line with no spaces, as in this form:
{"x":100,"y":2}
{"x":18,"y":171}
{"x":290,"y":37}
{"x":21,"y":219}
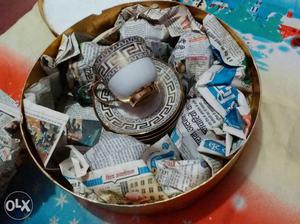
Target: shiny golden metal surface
{"x":94,"y":25}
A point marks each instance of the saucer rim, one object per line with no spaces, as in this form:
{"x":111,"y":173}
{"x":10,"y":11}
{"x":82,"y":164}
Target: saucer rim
{"x":138,"y":134}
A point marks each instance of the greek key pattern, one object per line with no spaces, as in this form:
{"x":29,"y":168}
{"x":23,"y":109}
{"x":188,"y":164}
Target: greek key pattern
{"x":118,"y":55}
{"x":115,"y":120}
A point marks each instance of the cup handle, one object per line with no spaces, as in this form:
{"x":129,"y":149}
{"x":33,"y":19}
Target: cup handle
{"x":95,"y":96}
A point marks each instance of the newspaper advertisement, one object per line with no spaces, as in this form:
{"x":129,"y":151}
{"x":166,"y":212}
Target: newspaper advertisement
{"x":45,"y":127}
{"x":212,"y":146}
{"x":231,"y":104}
{"x":230,"y":52}
{"x":197,"y":118}
{"x":220,"y":146}
{"x":144,"y":29}
{"x":130,"y":182}
{"x":182,"y":175}
{"x":164,"y":149}
{"x":216,"y":143}
{"x":222,"y":98}
{"x":221,"y":75}
{"x":234,"y":124}
{"x":194,"y":50}
{"x":114,"y":149}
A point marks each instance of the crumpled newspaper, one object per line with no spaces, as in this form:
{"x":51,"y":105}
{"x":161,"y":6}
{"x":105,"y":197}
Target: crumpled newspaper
{"x":126,"y":183}
{"x":113,"y":149}
{"x":177,"y":177}
{"x":9,"y":139}
{"x":164,"y":149}
{"x":192,"y":56}
{"x":177,"y":19}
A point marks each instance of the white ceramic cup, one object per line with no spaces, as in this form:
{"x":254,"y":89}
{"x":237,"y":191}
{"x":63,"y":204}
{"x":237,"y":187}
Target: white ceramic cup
{"x":126,"y":68}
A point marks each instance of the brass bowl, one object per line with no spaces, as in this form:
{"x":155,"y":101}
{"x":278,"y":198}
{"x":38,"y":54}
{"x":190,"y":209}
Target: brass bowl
{"x":93,"y":25}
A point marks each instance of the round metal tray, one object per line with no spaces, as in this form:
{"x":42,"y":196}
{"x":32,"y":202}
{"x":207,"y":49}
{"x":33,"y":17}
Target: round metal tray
{"x":93,"y":25}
